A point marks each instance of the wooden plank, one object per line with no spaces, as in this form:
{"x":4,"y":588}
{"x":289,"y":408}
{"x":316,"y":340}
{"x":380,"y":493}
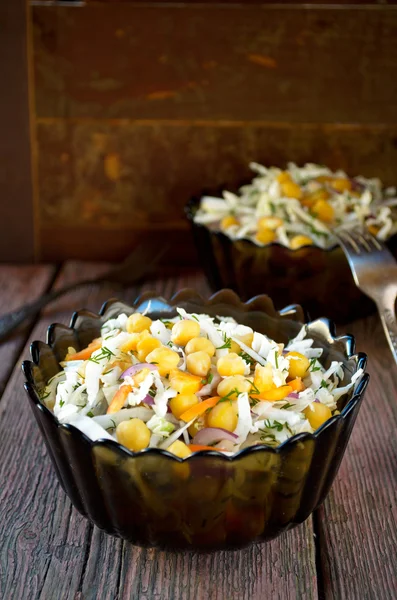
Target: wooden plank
{"x":52,"y":552}
{"x":274,"y":63}
{"x":160,"y":166}
{"x":18,"y":286}
{"x":358,"y":522}
{"x":17,"y":241}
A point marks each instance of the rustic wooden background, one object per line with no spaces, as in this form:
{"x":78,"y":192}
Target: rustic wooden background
{"x":136,"y":106}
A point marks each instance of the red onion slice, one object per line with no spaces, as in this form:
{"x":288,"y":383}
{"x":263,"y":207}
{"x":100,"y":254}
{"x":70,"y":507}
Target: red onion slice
{"x":212,"y":435}
{"x":130,"y":372}
{"x":148,"y":399}
{"x":293,"y":395}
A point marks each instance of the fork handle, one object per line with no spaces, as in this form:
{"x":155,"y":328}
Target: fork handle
{"x":388,"y":319}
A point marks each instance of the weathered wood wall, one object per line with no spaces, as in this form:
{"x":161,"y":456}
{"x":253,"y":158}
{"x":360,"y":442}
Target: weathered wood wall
{"x":139,"y":106}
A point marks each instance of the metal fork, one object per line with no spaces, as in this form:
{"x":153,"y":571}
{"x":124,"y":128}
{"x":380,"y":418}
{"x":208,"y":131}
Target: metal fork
{"x":375,"y":272}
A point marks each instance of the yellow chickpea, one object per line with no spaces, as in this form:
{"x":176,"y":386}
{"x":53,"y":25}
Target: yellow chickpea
{"x":298,"y":365}
{"x":184,"y":331}
{"x":317,"y":413}
{"x":230,"y":386}
{"x":291,"y":190}
{"x":196,"y":426}
{"x":181,"y":402}
{"x":230,"y":364}
{"x":263,"y":378}
{"x":185,"y":383}
{"x":283,"y":177}
{"x":179,"y":449}
{"x":223,"y":415}
{"x":133,"y":434}
{"x":228,"y":221}
{"x":269,"y":223}
{"x":265,"y":236}
{"x":145,"y":346}
{"x":373,"y":229}
{"x":246,"y":339}
{"x":311,"y":198}
{"x":198,"y":363}
{"x":300,"y":240}
{"x":200,"y":343}
{"x":137,"y":323}
{"x":323,"y":210}
{"x":341,"y":184}
{"x":133,"y":341}
{"x":165,"y":359}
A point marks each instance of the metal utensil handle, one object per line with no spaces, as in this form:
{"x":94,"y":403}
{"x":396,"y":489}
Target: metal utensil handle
{"x":389,"y":322}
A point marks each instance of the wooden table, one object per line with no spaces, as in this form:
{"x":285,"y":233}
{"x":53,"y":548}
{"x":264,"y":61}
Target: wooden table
{"x":347,"y":550}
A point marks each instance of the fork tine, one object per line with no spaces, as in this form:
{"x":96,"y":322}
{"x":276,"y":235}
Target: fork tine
{"x":371,"y":240}
{"x":349,"y":242}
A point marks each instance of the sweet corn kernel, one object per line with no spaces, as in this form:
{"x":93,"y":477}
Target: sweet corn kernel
{"x":223,"y":415}
{"x":231,"y":386}
{"x":269,"y":223}
{"x":291,"y":190}
{"x":265,"y":236}
{"x":228,"y":221}
{"x":184,"y":331}
{"x":230,"y":364}
{"x":145,"y":346}
{"x":181,"y":402}
{"x":133,"y":434}
{"x":323,"y":210}
{"x":179,"y":449}
{"x":300,"y":240}
{"x":200,"y":343}
{"x":298,"y":365}
{"x":317,"y":413}
{"x":185,"y":383}
{"x":165,"y":359}
{"x":263,"y":378}
{"x":198,"y":363}
{"x":283,"y":177}
{"x":137,"y":323}
{"x":341,"y":184}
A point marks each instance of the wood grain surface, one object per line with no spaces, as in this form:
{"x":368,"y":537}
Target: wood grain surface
{"x":50,"y":552}
{"x":18,"y":286}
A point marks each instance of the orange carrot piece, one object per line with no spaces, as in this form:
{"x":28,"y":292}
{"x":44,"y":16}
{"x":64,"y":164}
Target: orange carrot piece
{"x":85,"y":354}
{"x":198,"y":447}
{"x":275,"y":394}
{"x":199,"y":409}
{"x":119,"y":399}
{"x":296,"y":384}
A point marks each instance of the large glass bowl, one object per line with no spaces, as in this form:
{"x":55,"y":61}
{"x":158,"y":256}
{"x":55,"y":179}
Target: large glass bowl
{"x":208,"y":501}
{"x":320,"y":280}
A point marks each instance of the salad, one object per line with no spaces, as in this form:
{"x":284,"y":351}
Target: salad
{"x":194,"y":382}
{"x":300,"y":207}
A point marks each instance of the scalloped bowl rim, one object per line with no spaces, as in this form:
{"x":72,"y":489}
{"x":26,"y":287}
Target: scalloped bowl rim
{"x":347,"y":339}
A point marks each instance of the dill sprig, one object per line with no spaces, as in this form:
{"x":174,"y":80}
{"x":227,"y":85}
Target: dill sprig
{"x":105,"y":353}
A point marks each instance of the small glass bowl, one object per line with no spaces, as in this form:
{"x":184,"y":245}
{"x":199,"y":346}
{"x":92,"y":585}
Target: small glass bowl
{"x":208,"y":501}
{"x":318,"y":279}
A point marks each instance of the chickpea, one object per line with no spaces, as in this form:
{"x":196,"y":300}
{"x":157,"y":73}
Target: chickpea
{"x":263,"y":378}
{"x":137,"y":323}
{"x":298,"y":365}
{"x":200,"y":343}
{"x":223,"y":415}
{"x":265,"y":236}
{"x":228,"y":221}
{"x":198,"y":363}
{"x":341,"y":184}
{"x":323,"y":210}
{"x":246,"y":339}
{"x":181,"y":402}
{"x":291,"y":190}
{"x":269,"y":223}
{"x":230,"y":386}
{"x":133,"y":434}
{"x":317,"y":413}
{"x":196,"y":426}
{"x":133,"y":341}
{"x":300,"y":240}
{"x":184,"y":331}
{"x":179,"y":449}
{"x":283,"y":177}
{"x":230,"y":364}
{"x":184,"y":383}
{"x":145,"y":346}
{"x":165,"y":359}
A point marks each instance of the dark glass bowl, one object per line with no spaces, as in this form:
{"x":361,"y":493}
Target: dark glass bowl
{"x":320,"y":280}
{"x":209,"y":501}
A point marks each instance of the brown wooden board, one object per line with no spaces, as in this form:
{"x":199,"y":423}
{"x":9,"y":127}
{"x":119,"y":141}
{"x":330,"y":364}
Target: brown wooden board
{"x":238,"y":62}
{"x":17,"y":241}
{"x":49,"y":551}
{"x":358,"y":522}
{"x":18,"y":286}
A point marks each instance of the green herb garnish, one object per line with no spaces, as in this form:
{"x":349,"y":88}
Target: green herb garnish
{"x":90,"y":414}
{"x":246,"y":357}
{"x":227,"y":344}
{"x":105,"y":353}
{"x":312,"y":366}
